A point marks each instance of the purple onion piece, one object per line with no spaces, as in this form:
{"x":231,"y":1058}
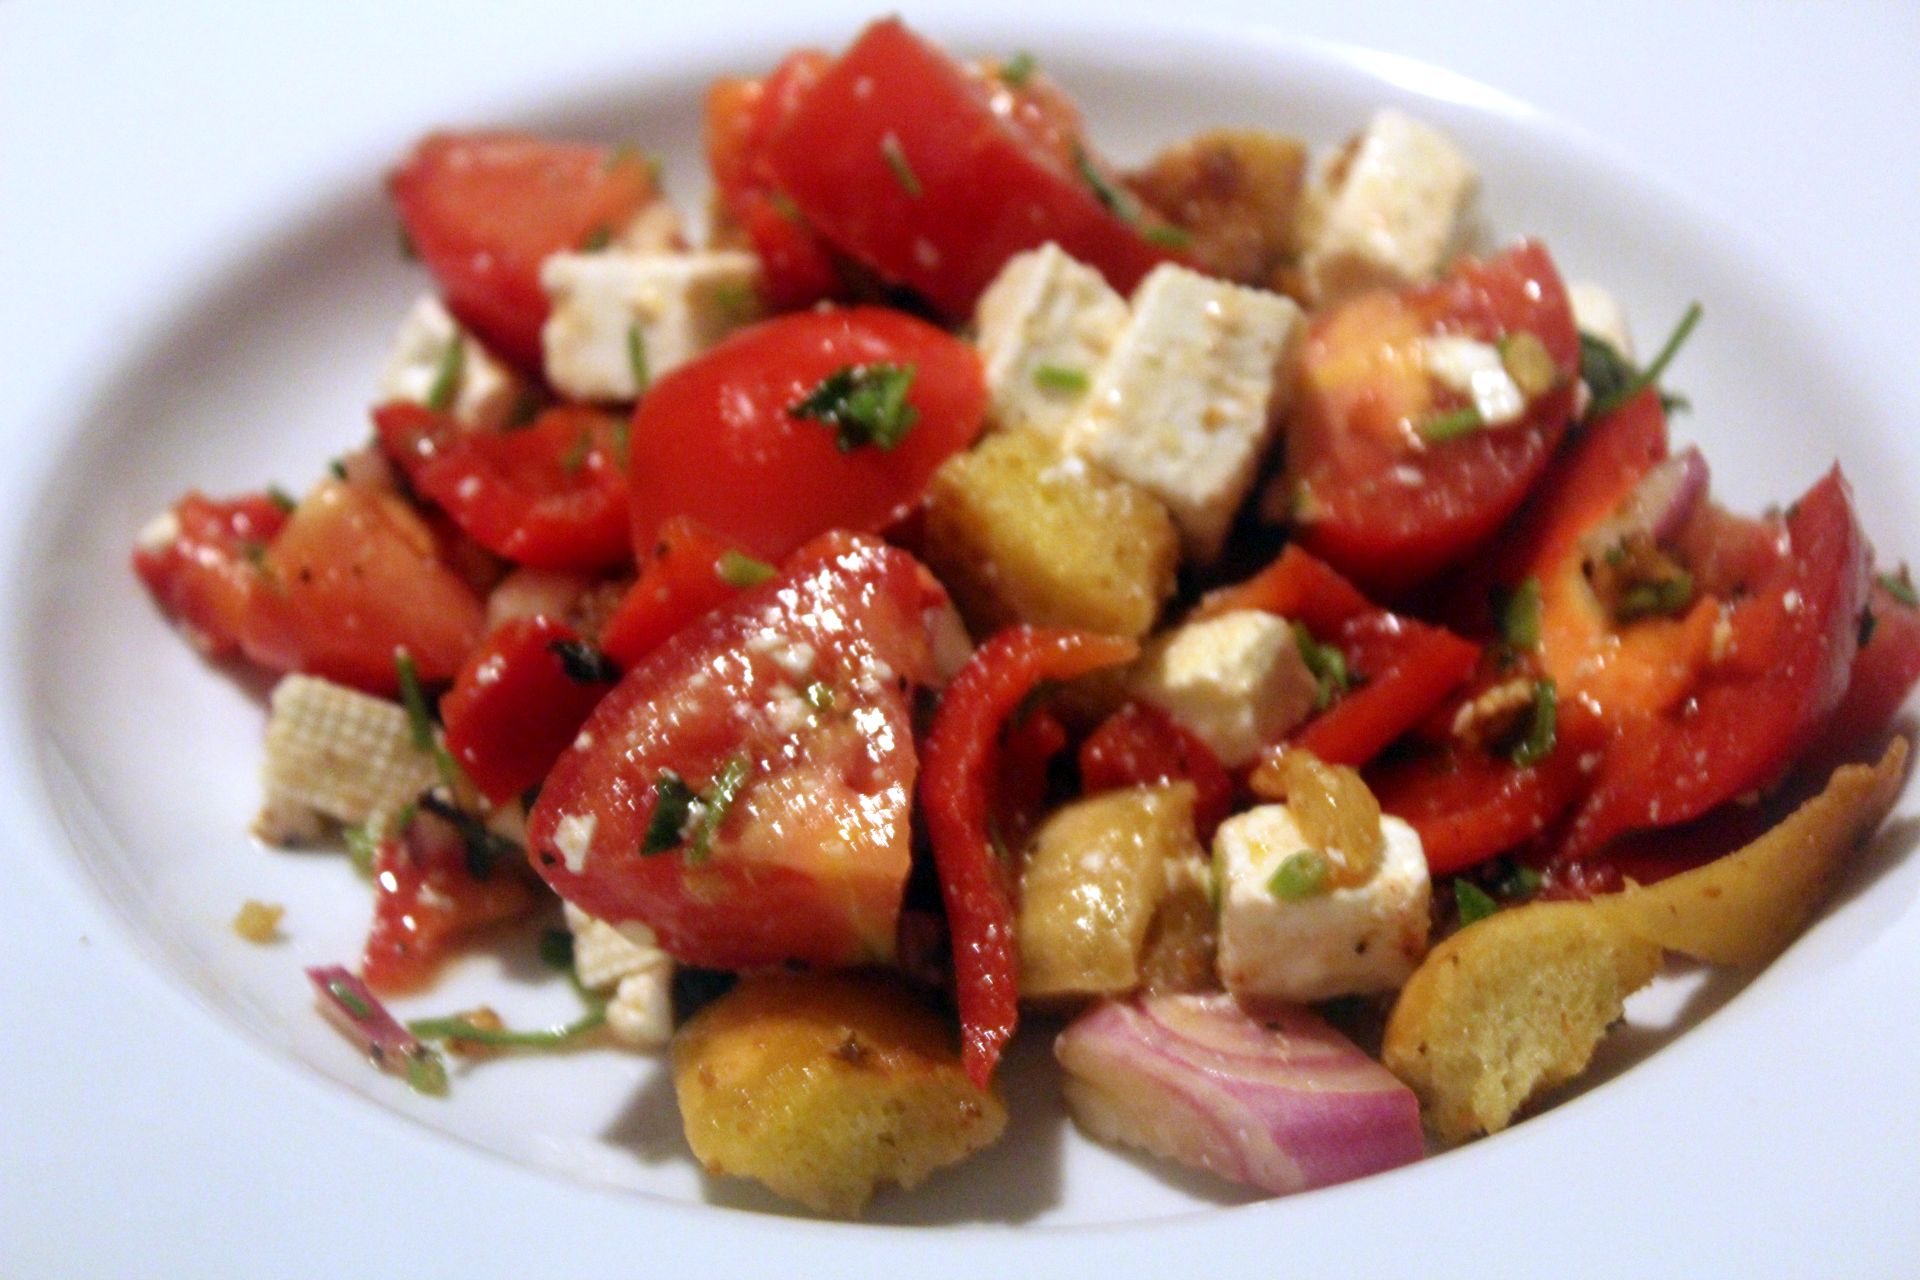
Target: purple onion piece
{"x":1658,"y":508}
{"x":352,"y":1007}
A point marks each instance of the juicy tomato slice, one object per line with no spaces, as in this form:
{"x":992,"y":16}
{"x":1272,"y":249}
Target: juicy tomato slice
{"x":1404,"y":667}
{"x":1883,"y":675}
{"x":899,"y":158}
{"x":551,"y":495}
{"x":681,"y":577}
{"x":518,"y":703}
{"x":716,"y":440}
{"x":207,"y":575}
{"x":742,"y":116}
{"x":427,"y":899}
{"x":1139,"y":745}
{"x":485,"y":209}
{"x":1376,"y":502}
{"x":1468,"y":805}
{"x":963,"y":755}
{"x":1782,"y":673}
{"x":796,"y":700}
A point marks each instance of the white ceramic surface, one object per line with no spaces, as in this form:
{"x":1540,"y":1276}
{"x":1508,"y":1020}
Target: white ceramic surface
{"x":203,"y":278}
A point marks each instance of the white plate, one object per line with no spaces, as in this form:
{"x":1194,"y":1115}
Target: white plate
{"x":200,"y":279}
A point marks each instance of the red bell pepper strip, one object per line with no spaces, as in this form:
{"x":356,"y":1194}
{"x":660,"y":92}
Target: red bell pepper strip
{"x":520,"y":700}
{"x":683,"y":575}
{"x":1139,"y":745}
{"x":961,"y":760}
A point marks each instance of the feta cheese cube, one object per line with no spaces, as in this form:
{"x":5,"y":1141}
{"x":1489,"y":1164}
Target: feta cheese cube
{"x":1044,"y":319}
{"x":1341,"y":942}
{"x":486,"y":392}
{"x":627,"y":959}
{"x":1475,"y":370}
{"x":665,"y":308}
{"x":1237,"y":682}
{"x":1389,"y":208}
{"x":1599,"y":313}
{"x":1186,"y":404}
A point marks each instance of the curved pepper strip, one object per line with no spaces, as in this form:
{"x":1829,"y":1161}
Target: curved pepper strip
{"x":960,"y":759}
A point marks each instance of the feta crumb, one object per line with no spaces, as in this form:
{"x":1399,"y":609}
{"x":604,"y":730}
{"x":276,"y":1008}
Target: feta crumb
{"x":573,"y":837}
{"x":1475,"y":370}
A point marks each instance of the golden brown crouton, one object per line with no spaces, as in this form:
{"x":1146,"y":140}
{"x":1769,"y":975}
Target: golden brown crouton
{"x":1234,"y":192}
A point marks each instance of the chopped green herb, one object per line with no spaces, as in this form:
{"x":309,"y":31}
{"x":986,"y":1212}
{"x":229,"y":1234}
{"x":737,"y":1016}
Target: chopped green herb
{"x":1328,"y":665}
{"x":1661,"y":597}
{"x":597,"y":240}
{"x":1542,"y":726}
{"x":1621,"y":392}
{"x":637,"y":360}
{"x":576,"y":455}
{"x":1060,"y":377}
{"x":1868,"y":622}
{"x":255,"y":552}
{"x":280,"y":498}
{"x":419,"y":718}
{"x":718,"y":799}
{"x":1017,"y":70}
{"x":1520,"y":617}
{"x":672,"y":803}
{"x":426,"y":1073}
{"x":485,"y":847}
{"x":735,"y":301}
{"x":460,"y":1028}
{"x":866,"y":404}
{"x":584,"y":662}
{"x":819,"y":695}
{"x":1516,"y":880}
{"x":1473,"y":902}
{"x":896,"y":157}
{"x":1528,"y":362}
{"x":1167,"y":236}
{"x":337,"y":467}
{"x":1603,"y":369}
{"x":1110,"y":197}
{"x":738,"y":569}
{"x":556,"y":949}
{"x":622,"y":435}
{"x":446,"y":378}
{"x":408,"y":250}
{"x":1900,"y":587}
{"x":1443,"y":427}
{"x":350,"y":1000}
{"x":361,"y":848}
{"x":1300,"y":876}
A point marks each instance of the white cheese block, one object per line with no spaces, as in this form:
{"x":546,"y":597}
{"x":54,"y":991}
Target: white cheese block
{"x":1388,"y":209}
{"x":1475,"y":370}
{"x":485,"y":392}
{"x":1186,"y":404}
{"x":672,"y":306}
{"x":1043,"y":320}
{"x":626,"y":959}
{"x":1237,"y":682}
{"x":1341,"y":942}
{"x":1599,"y":313}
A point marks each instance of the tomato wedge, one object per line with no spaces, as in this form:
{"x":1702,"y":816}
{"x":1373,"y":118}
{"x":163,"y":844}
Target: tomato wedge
{"x":1139,"y":745}
{"x":551,"y":495}
{"x":746,"y":790}
{"x":519,"y":701}
{"x":898,"y":157}
{"x":963,"y":752}
{"x":682,"y":576}
{"x":1377,"y":503}
{"x":429,"y":893}
{"x":717,"y":440}
{"x":484,"y":210}
{"x":206,"y":574}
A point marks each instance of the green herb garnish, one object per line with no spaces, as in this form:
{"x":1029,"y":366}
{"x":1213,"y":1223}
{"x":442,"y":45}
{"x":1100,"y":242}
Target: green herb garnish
{"x":1110,"y":197}
{"x":597,"y":240}
{"x":1517,"y":880}
{"x":420,"y":721}
{"x":361,"y":848}
{"x":1623,"y":386}
{"x":1060,"y":377}
{"x":337,"y":467}
{"x":485,"y":847}
{"x":1519,"y":612}
{"x":672,"y":803}
{"x":1542,"y":731}
{"x":1167,"y":236}
{"x":896,"y":157}
{"x":1299,"y":876}
{"x":865,"y":404}
{"x":1900,"y":587}
{"x":1473,"y":902}
{"x":1017,"y":70}
{"x":738,"y":569}
{"x":585,"y":663}
{"x":446,"y":378}
{"x":1443,"y":427}
{"x":460,"y":1028}
{"x":556,"y":949}
{"x":280,"y":498}
{"x":717,"y":800}
{"x":1328,"y":665}
{"x":1662,"y":597}
{"x":637,"y":360}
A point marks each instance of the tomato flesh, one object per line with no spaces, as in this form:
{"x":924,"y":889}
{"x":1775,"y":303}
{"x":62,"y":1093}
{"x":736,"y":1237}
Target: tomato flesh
{"x":1139,"y":745}
{"x":516,"y":705}
{"x":427,"y":898}
{"x":808,"y":861}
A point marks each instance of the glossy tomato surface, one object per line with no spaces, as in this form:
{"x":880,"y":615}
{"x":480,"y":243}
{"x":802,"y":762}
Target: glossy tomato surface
{"x":519,"y":701}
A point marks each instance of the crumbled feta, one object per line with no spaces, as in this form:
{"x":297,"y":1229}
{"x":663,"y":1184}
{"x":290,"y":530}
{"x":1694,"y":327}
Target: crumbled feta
{"x":573,"y":837}
{"x":665,"y":308}
{"x":1237,"y":682}
{"x":1475,"y":370}
{"x":486,"y":392}
{"x":1599,"y":314}
{"x":627,"y":958}
{"x":159,"y":533}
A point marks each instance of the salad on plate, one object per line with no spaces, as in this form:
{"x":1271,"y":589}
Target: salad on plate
{"x":1228,"y":609}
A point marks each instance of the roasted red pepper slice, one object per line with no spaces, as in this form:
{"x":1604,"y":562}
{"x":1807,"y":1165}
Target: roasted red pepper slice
{"x":520,"y":700}
{"x":1139,"y":744}
{"x":428,"y":895}
{"x":961,"y":760}
{"x":682,"y":576}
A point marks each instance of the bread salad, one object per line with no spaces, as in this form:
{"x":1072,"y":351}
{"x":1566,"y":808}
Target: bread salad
{"x":1227,"y":613}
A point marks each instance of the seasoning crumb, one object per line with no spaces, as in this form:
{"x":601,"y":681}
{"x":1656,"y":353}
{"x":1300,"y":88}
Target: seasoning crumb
{"x":259,"y":922}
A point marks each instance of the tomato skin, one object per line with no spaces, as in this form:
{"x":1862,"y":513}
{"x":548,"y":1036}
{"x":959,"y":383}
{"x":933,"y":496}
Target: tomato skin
{"x":514,"y":708}
{"x":1381,"y":511}
{"x":679,"y":580}
{"x":550,"y":495}
{"x":963,"y":753}
{"x":1883,"y":674}
{"x":485,"y":209}
{"x":206,"y":577}
{"x":1469,"y":806}
{"x":714,"y":440}
{"x":937,"y":234}
{"x":1139,"y":745}
{"x":809,"y":862}
{"x":426,"y":899}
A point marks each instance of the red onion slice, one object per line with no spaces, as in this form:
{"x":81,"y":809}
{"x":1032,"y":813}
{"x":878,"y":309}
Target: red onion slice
{"x":1277,"y":1099}
{"x":1658,"y":508}
{"x":349,"y":1005}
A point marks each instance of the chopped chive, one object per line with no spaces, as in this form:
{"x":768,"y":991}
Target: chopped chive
{"x":426,"y":1073}
{"x":637,"y":360}
{"x":1109,"y":196}
{"x":1542,"y":726}
{"x":361,"y":848}
{"x":556,"y":949}
{"x":585,"y":663}
{"x":597,"y":240}
{"x":673,"y":803}
{"x":738,"y":569}
{"x":1619,"y":395}
{"x":735,"y":301}
{"x":337,"y":467}
{"x":896,"y":157}
{"x":576,"y":455}
{"x":350,"y":1000}
{"x":280,"y":497}
{"x":718,"y":799}
{"x":1662,"y":597}
{"x":1451,"y":426}
{"x":419,"y":718}
{"x":1520,"y":617}
{"x":1017,"y":70}
{"x":1473,"y":902}
{"x":1060,"y":377}
{"x":1300,"y":876}
{"x":1167,"y":236}
{"x":819,"y":695}
{"x":1327,"y":664}
{"x":866,"y":404}
{"x":1900,"y":587}
{"x":446,"y":378}
{"x":460,"y":1028}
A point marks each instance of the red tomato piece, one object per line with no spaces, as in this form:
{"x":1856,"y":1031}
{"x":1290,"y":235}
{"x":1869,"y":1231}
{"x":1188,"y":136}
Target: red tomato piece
{"x":552,"y":495}
{"x":1469,"y":806}
{"x":741,"y":118}
{"x":517,"y":704}
{"x":426,"y":899}
{"x":484,"y":210}
{"x":788,"y":715}
{"x":716,"y":440}
{"x":682,"y":576}
{"x":1139,"y":745}
{"x":1405,"y":669}
{"x":963,"y":753}
{"x":207,"y":576}
{"x":899,"y":159}
{"x":1378,"y":503}
{"x":1883,"y":675}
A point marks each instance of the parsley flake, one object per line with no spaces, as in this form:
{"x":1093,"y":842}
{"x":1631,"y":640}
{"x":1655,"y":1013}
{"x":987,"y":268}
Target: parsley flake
{"x":597,"y":240}
{"x":1167,"y":236}
{"x":637,"y":361}
{"x":1621,"y":380}
{"x":1060,"y":377}
{"x":1900,"y":587}
{"x":866,"y":404}
{"x":717,"y":800}
{"x":1017,"y":70}
{"x":1299,"y":876}
{"x":1111,"y":198}
{"x":1328,"y":665}
{"x":1443,"y":427}
{"x":738,"y":569}
{"x":1474,"y":903}
{"x":447,"y":377}
{"x":672,"y":803}
{"x":1542,"y":726}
